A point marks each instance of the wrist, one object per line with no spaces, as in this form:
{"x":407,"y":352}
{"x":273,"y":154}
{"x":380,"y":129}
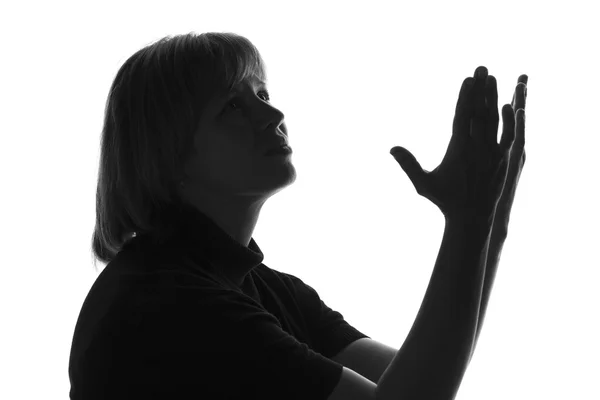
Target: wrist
{"x":475,"y":227}
{"x":471,"y":219}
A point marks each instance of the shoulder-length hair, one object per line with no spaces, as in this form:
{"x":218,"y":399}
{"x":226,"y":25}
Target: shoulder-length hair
{"x":151,"y":114}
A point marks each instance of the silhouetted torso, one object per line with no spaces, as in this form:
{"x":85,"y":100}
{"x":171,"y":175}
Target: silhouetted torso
{"x":158,"y":322}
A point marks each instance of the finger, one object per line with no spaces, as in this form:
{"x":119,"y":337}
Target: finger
{"x":520,"y":131}
{"x":508,"y":128}
{"x":479,"y":118}
{"x":480,"y":75}
{"x":410,"y":165}
{"x":464,"y":109}
{"x":481,"y":72}
{"x":465,"y":89}
{"x":519,"y":97}
{"x":491,"y":92}
{"x":522,"y":79}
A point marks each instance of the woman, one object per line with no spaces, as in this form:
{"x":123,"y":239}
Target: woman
{"x":191,"y":149}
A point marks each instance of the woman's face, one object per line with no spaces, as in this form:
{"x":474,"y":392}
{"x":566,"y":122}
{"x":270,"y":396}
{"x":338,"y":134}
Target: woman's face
{"x":235,"y":131}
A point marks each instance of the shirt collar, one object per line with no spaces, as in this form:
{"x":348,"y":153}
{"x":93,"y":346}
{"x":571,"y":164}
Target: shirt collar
{"x":188,"y":231}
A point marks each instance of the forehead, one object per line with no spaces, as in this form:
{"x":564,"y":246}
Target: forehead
{"x":253,"y":81}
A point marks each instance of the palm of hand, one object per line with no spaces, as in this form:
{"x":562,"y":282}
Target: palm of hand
{"x":470,"y":178}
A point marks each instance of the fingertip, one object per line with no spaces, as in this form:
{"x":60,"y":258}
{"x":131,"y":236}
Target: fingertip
{"x":465,"y":90}
{"x":480,"y":72}
{"x":396,"y":150}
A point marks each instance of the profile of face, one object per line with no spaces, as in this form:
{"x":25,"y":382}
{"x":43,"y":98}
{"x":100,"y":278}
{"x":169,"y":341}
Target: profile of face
{"x":235,"y":131}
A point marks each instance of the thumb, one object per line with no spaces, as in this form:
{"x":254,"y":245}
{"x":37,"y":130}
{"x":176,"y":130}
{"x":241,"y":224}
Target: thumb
{"x":409,"y":164}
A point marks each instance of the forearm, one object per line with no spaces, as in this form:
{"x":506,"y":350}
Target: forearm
{"x":497,"y":240}
{"x":434,"y":357}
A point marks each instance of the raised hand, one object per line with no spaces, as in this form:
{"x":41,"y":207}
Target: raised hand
{"x":513,"y":119}
{"x":470,"y":178}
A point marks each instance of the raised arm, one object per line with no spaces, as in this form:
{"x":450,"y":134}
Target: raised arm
{"x":435,"y":355}
{"x":466,"y":187}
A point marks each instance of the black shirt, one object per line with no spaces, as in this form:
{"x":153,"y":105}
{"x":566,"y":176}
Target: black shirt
{"x":160,"y":323}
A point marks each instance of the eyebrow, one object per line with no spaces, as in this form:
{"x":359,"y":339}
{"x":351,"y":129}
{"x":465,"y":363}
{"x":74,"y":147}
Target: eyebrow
{"x":262,"y":83}
{"x":259,"y":83}
{"x":234,"y":91}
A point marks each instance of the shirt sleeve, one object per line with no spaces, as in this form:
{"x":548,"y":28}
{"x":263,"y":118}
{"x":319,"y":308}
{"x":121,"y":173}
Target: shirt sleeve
{"x":330,"y":332}
{"x":219,"y":344}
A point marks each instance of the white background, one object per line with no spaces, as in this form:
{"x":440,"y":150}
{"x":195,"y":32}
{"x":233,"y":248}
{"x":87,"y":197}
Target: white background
{"x":354,"y":79}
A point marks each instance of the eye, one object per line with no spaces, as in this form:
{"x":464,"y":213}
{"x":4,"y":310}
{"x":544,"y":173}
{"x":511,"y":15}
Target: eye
{"x":265,"y":93}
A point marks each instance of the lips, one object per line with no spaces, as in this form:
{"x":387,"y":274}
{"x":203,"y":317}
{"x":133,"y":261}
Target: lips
{"x":281,"y":149}
{"x":277,"y":147}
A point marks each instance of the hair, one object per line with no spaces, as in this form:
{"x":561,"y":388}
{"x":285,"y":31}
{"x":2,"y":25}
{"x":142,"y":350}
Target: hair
{"x":152,"y":111}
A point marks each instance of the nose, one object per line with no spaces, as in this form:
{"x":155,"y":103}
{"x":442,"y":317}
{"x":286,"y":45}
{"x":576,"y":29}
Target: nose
{"x":278,"y":116}
{"x":274,"y":117}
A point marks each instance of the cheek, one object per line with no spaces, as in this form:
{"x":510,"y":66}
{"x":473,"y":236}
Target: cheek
{"x":230,"y":163}
{"x":227,"y":153}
